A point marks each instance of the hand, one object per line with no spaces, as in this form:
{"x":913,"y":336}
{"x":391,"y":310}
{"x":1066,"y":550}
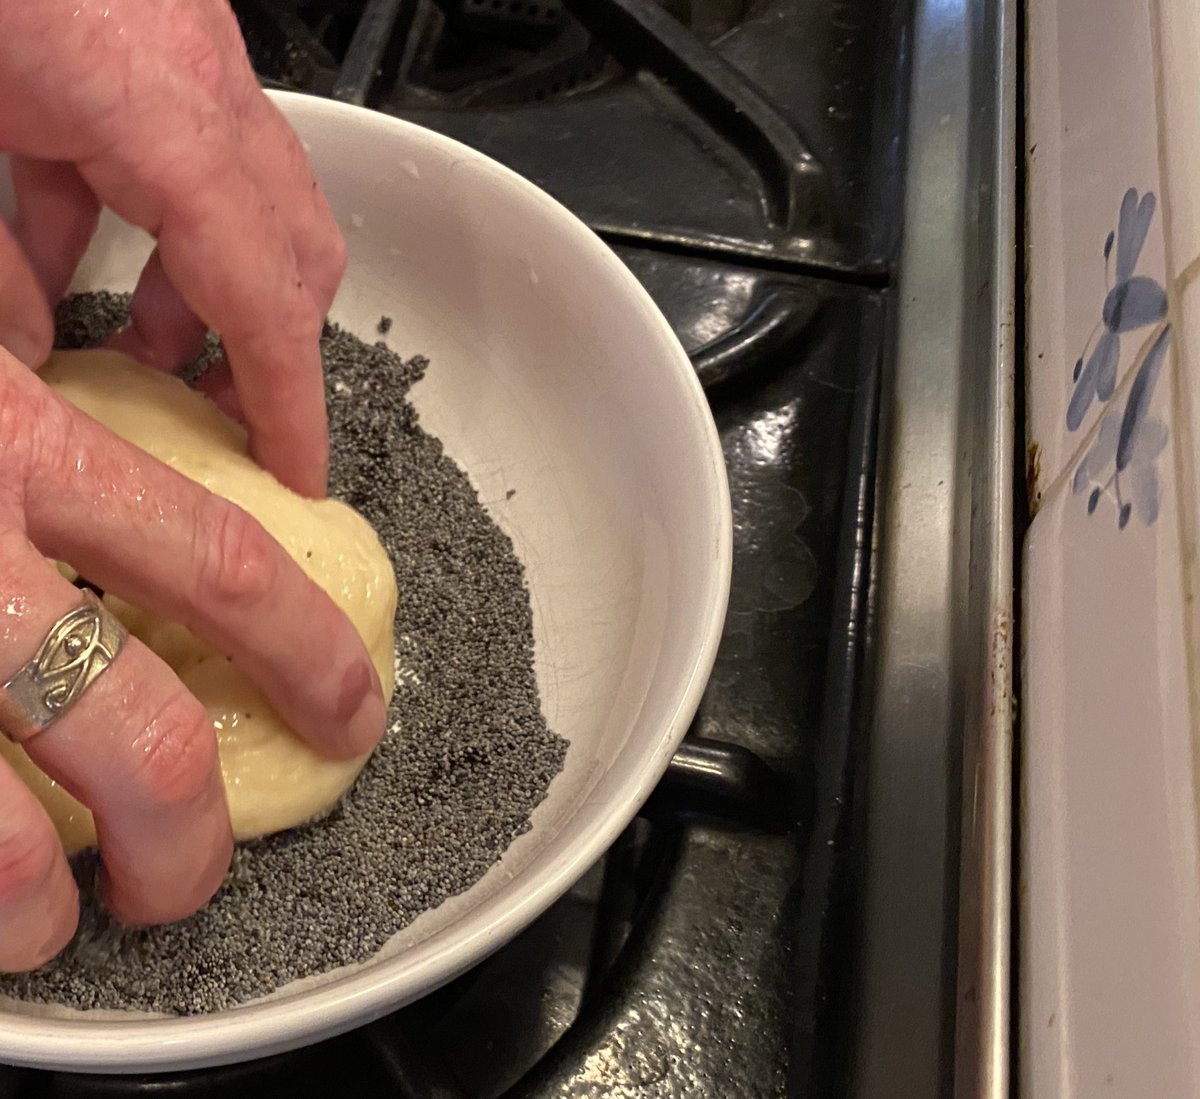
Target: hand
{"x":136,"y":748}
{"x":151,"y":107}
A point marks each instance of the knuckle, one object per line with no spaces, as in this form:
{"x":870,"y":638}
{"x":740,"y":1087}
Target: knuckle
{"x":298,"y":315}
{"x":175,"y":755}
{"x":240,"y":560}
{"x":198,"y":53}
{"x":31,"y":425}
{"x":44,"y":444}
{"x":337,"y":255}
{"x":51,"y":444}
{"x":27,"y":858}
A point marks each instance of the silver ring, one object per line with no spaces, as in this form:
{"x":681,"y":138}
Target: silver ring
{"x":75,"y":653}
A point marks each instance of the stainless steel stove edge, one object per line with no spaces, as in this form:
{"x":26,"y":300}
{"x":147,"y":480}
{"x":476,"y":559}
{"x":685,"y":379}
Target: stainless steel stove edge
{"x":936,"y":925}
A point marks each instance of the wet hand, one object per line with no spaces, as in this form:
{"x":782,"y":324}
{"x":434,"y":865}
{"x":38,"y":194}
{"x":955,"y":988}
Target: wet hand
{"x":135,"y":747}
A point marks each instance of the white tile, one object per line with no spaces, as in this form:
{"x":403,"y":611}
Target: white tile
{"x":1110,"y":875}
{"x":1109,"y":899}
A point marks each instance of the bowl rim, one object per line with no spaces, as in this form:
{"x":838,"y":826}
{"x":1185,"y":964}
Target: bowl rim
{"x":263,"y":1028}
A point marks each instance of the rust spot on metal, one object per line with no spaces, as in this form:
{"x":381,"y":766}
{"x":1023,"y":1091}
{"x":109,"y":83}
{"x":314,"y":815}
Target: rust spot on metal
{"x":1033,"y":477}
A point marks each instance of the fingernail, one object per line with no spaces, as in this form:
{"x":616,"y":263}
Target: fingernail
{"x":361,"y":707}
{"x":65,"y":921}
{"x":30,"y":348}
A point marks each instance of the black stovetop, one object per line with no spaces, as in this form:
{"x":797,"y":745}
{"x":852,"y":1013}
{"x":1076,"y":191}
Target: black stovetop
{"x":741,"y":156}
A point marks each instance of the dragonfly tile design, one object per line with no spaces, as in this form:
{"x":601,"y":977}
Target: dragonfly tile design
{"x":1121,"y":463}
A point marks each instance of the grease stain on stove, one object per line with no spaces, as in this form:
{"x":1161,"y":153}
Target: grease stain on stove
{"x":790,"y":579}
{"x":769,"y":435}
{"x":775,"y":574}
{"x":636,"y":1056}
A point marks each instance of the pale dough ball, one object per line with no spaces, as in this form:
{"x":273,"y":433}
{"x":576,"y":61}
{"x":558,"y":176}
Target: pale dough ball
{"x":272,"y":779}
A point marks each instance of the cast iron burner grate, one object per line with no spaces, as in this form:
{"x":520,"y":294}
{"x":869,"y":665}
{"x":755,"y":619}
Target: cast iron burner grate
{"x":461,"y":53}
{"x":768,"y":137}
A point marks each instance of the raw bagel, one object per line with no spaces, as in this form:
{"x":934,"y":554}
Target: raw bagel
{"x":273,"y":780}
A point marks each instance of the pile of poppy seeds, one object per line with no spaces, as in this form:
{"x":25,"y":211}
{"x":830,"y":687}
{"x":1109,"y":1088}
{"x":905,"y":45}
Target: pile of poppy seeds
{"x":466,"y":759}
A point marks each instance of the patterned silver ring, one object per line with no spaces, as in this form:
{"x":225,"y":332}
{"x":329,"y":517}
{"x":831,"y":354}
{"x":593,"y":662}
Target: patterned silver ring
{"x":74,"y":654}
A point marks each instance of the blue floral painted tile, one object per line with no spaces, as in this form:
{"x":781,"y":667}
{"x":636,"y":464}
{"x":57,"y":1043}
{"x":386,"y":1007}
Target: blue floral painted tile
{"x":1121,"y":463}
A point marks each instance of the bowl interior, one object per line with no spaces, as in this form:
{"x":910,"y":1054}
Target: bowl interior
{"x":558,"y":387}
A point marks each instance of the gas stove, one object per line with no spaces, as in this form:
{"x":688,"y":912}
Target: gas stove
{"x":749,"y":933}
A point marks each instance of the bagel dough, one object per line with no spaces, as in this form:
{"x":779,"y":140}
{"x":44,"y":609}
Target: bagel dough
{"x":273,"y":780}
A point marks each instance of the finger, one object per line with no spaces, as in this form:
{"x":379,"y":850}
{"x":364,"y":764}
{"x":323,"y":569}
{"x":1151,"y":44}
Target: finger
{"x":162,"y":331}
{"x":278,"y":164}
{"x":164,"y":543}
{"x":56,"y":219}
{"x":26,"y":327}
{"x":216,"y":383}
{"x":229,"y":256}
{"x":39,"y":904}
{"x":136,"y":749}
{"x":274,"y":356}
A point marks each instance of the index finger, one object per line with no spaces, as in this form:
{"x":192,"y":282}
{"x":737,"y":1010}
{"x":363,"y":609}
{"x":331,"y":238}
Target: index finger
{"x":277,"y":162}
{"x":228,"y":253}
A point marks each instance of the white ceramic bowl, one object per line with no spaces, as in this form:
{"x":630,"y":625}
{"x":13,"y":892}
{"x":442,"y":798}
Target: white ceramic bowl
{"x":553,"y":373}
